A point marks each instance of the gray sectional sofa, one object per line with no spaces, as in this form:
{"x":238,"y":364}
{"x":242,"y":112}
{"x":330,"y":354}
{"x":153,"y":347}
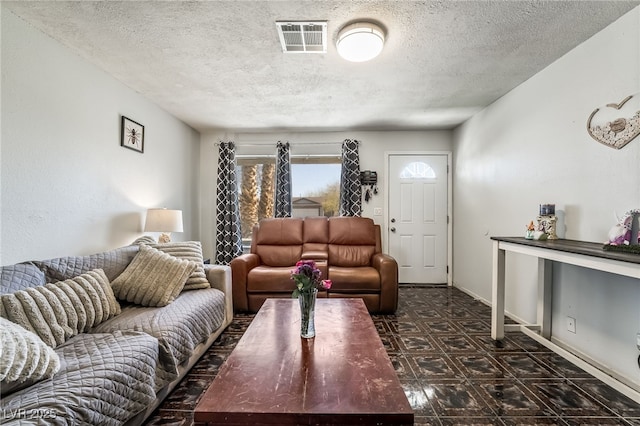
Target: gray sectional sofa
{"x":103,"y":339}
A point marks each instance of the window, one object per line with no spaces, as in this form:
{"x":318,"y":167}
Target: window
{"x":256,"y":191}
{"x":315,"y":188}
{"x":417,"y":170}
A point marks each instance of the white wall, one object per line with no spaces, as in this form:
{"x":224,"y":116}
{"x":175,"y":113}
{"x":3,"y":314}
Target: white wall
{"x":531,"y":147}
{"x":67,"y":186}
{"x":373,"y":146}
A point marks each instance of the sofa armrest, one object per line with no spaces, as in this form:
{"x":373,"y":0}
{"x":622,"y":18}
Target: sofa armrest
{"x":387,"y":267}
{"x":320,"y":257}
{"x":315,"y":255}
{"x":240,"y":267}
{"x":219,"y":276}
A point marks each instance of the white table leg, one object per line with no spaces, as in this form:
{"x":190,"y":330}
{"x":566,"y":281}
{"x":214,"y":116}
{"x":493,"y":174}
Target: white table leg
{"x":497,"y":293}
{"x":545,"y":268}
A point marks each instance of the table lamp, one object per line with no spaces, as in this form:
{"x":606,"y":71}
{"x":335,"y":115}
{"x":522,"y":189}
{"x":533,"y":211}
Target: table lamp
{"x":165,"y":221}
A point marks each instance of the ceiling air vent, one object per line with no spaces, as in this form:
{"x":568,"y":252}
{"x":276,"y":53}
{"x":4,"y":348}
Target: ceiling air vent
{"x":303,"y":37}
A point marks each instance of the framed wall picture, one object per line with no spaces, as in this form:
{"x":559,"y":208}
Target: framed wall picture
{"x":132,"y":135}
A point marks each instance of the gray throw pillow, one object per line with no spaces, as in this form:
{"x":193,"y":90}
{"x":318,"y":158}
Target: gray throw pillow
{"x":19,"y":277}
{"x":112,"y":262}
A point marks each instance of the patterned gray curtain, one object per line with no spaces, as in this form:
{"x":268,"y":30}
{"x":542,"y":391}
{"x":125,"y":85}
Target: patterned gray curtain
{"x":282,"y":206}
{"x":228,"y":236}
{"x":350,"y":188}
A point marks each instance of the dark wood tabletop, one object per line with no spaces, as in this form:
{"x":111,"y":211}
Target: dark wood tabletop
{"x":273,"y":376}
{"x":586,"y":248}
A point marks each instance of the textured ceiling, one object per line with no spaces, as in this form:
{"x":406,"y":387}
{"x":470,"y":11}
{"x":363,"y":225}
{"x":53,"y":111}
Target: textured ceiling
{"x":219,"y":64}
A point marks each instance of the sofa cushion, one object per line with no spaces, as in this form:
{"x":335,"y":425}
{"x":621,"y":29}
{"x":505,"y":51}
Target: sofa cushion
{"x":112,"y":262}
{"x":278,"y":256}
{"x":179,"y":327}
{"x":315,"y":234}
{"x":352,"y":241}
{"x":350,"y":256}
{"x":19,"y":277}
{"x":362,"y":279}
{"x":104,"y":379}
{"x":153,"y":278}
{"x":280,"y":231}
{"x":24,"y":357}
{"x":316,"y":230}
{"x":190,"y":250}
{"x":352,"y":231}
{"x":278,"y":241}
{"x":58,"y":311}
{"x":270,"y":279}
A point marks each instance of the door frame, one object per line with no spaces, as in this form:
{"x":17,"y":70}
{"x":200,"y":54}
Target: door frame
{"x":385,"y":213}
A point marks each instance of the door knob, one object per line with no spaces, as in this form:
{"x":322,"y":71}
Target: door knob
{"x":393,"y":229}
{"x":393,"y":220}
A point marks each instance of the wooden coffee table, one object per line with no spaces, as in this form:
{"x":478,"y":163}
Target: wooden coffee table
{"x":274,"y":377}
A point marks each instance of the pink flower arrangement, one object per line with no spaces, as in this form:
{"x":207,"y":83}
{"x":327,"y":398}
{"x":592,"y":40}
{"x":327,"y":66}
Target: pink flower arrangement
{"x":307,"y":277}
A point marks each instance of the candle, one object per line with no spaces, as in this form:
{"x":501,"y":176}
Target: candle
{"x":547,"y":209}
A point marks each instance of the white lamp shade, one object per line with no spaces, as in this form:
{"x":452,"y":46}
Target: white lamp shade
{"x":360,"y":42}
{"x":163,"y":220}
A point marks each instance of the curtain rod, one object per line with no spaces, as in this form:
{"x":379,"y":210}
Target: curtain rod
{"x":336,"y":155}
{"x":290,"y":143}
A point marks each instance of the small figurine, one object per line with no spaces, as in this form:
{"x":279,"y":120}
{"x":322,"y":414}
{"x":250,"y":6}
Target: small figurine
{"x":540,"y":235}
{"x":535,"y":234}
{"x":622,"y":233}
{"x":530,"y":229}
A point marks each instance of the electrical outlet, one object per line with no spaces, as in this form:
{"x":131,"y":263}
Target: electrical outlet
{"x":571,"y":324}
{"x":377,"y":211}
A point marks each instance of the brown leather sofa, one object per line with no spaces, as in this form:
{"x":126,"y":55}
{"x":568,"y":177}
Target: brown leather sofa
{"x":346,"y":249}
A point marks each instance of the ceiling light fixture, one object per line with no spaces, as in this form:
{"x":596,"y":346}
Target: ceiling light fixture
{"x":360,"y":42}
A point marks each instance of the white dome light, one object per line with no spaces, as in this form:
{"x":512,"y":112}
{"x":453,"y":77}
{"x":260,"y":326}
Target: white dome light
{"x":360,"y":42}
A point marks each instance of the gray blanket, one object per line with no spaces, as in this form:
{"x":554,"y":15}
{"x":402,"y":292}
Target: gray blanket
{"x":179,"y":326}
{"x":104,"y":380}
{"x":108,"y":376}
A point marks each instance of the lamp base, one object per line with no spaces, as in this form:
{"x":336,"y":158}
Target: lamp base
{"x":164,"y":238}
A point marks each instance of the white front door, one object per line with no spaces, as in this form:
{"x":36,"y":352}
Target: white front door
{"x":417,"y":228}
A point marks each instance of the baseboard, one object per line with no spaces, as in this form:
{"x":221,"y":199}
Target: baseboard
{"x":421,"y":285}
{"x":573,"y":355}
{"x":588,"y":364}
{"x":486,"y":302}
{"x":597,"y":364}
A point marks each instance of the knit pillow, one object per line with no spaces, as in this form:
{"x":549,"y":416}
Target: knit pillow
{"x":153,"y":278}
{"x":24,"y":357}
{"x":59,"y":311}
{"x":190,"y":250}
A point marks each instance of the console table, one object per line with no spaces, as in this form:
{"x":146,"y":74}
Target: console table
{"x":585,"y":254}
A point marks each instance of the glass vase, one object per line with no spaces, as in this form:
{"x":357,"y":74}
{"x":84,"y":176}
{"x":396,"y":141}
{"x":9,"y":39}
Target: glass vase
{"x":307,"y":302}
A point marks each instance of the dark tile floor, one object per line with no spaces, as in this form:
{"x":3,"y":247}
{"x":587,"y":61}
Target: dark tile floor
{"x":439,"y":342}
